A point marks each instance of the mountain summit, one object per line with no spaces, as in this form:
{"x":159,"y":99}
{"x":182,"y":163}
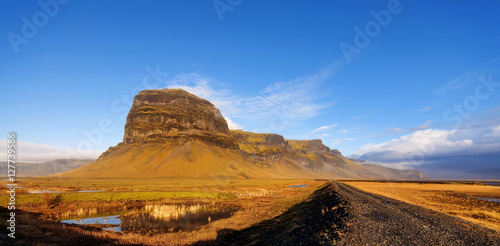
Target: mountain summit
{"x":172,"y":133}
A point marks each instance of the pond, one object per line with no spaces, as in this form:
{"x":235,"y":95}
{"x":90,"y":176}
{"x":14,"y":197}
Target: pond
{"x":159,"y":218}
{"x":44,"y":191}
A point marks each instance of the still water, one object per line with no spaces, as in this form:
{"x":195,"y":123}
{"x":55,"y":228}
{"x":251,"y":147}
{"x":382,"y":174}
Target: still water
{"x":297,"y":186}
{"x":489,"y":199}
{"x":159,"y":218}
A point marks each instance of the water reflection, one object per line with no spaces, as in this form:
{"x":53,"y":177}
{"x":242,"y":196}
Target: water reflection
{"x":159,"y":218}
{"x":44,"y":191}
{"x":83,"y":212}
{"x":489,"y":199}
{"x":297,"y":186}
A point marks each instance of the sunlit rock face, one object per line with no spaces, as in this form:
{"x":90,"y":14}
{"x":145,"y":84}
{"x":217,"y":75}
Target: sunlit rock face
{"x":156,"y":115}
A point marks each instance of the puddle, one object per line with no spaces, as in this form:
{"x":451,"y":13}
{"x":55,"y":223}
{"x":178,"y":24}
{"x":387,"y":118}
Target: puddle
{"x":44,"y":191}
{"x":489,"y":199}
{"x":159,"y":218}
{"x":297,"y":186}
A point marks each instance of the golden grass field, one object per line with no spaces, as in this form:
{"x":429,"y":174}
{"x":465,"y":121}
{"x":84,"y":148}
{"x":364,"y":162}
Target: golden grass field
{"x":451,"y":198}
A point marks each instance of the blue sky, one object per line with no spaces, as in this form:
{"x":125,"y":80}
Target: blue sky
{"x":270,"y":66}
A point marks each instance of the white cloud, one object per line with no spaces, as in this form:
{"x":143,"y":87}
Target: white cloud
{"x":33,"y":152}
{"x":412,"y":148}
{"x":232,"y":125}
{"x":324,"y":128}
{"x":424,"y":109}
{"x":430,"y":140}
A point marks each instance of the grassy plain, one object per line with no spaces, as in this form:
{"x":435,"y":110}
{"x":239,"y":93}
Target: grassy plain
{"x":457,"y":199}
{"x":258,"y":200}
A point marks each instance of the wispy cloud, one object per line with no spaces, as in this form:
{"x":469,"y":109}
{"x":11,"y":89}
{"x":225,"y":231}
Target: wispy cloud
{"x":337,"y":141}
{"x":275,"y":108}
{"x":365,"y":114}
{"x":424,"y":109}
{"x":457,"y":83}
{"x":361,"y":116}
{"x":394,"y":131}
{"x":467,"y":79}
{"x":324,"y":128}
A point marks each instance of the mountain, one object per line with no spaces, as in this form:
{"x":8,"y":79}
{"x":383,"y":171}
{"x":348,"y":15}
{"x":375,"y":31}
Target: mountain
{"x":171,"y":133}
{"x":25,"y":169}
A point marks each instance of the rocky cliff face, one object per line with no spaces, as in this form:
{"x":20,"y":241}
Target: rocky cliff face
{"x":312,"y":154}
{"x":158,"y":115}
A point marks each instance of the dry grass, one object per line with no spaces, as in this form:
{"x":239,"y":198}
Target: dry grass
{"x":454,"y":199}
{"x":51,"y":200}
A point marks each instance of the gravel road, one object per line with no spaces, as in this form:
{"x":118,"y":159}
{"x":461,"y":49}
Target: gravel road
{"x":377,"y":220}
{"x":338,"y":214}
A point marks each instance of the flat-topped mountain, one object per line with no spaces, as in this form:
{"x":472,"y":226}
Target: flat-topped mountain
{"x":157,"y":115}
{"x":172,"y":133}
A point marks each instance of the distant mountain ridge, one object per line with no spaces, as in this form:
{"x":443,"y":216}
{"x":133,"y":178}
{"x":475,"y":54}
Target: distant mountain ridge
{"x":26,"y":169}
{"x":171,"y":133}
